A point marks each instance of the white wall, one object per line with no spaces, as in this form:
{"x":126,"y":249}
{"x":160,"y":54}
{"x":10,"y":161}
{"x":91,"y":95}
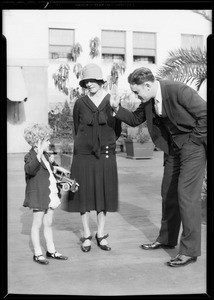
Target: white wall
{"x":166,"y":24}
{"x":26,"y":32}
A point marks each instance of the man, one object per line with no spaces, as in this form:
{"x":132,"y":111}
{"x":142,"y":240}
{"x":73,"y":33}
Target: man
{"x":178,"y":126}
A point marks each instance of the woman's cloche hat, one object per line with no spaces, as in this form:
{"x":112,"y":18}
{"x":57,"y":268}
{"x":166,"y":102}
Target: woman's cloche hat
{"x":91,"y":71}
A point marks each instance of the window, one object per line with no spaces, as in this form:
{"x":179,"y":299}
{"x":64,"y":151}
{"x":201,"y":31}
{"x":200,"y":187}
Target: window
{"x":60,"y":42}
{"x":112,"y":57}
{"x":191,"y":41}
{"x":113,"y":45}
{"x":144,"y":46}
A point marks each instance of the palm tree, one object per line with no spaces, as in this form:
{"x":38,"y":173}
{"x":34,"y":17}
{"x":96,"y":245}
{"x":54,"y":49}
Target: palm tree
{"x":74,"y":53}
{"x":117,"y":69}
{"x":186,"y":65}
{"x":94,"y":47}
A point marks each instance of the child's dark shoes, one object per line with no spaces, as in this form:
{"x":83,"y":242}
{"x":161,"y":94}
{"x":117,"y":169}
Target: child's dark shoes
{"x":40,"y":259}
{"x":56,"y":255}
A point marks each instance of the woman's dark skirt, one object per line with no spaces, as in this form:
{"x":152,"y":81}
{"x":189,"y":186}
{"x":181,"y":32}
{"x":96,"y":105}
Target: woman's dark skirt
{"x":98,"y":180}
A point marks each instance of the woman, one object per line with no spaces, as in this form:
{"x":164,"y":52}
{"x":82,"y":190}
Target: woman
{"x":94,"y":161}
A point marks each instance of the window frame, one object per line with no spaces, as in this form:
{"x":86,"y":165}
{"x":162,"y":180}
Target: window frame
{"x":109,"y":49}
{"x":144,"y":49}
{"x":63,"y":45}
{"x":192,"y":35}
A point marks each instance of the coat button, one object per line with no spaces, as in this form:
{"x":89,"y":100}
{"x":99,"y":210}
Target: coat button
{"x":107,"y":156}
{"x":106,"y":151}
{"x":107,"y":147}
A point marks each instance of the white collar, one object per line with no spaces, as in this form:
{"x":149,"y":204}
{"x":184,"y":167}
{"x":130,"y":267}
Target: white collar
{"x":158,"y":94}
{"x":100,"y":99}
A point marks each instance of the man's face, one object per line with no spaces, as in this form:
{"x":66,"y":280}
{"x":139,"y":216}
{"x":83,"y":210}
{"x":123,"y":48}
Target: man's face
{"x":143,"y":91}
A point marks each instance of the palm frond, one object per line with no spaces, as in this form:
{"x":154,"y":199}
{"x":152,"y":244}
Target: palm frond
{"x":186,"y":65}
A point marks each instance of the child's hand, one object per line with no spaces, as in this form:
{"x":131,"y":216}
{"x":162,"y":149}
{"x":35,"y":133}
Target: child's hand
{"x":51,"y":158}
{"x":40,"y":149}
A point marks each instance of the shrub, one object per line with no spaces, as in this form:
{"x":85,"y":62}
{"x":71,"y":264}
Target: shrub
{"x":61,"y":123}
{"x":66,"y":147}
{"x":138,"y":134}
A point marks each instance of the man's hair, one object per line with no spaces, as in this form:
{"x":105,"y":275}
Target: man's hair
{"x":140,"y":76}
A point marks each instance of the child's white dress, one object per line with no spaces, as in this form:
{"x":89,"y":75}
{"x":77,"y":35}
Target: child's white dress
{"x":54,"y":198}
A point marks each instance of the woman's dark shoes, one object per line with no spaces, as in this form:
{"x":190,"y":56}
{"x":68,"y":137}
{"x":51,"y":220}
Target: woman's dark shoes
{"x":40,"y":259}
{"x":56,"y":255}
{"x":85,"y":248}
{"x":99,"y":239}
{"x":181,"y":260}
{"x":155,"y":245}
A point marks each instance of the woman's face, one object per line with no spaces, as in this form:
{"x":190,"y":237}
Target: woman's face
{"x":92,"y":86}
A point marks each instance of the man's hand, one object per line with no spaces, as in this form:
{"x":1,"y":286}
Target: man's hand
{"x":114,"y":98}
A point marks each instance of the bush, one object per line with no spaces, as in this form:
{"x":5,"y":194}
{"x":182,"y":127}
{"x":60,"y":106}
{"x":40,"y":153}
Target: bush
{"x":138,"y":134}
{"x":61,"y":123}
{"x":66,"y":147}
{"x":142,"y":136}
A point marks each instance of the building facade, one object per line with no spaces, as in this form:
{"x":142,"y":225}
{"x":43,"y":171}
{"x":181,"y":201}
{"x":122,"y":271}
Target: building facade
{"x":38,"y":42}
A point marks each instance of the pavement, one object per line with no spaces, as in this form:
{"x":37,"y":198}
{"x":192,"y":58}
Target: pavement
{"x":126,"y":270}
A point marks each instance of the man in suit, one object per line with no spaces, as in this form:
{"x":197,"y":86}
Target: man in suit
{"x":177,"y":122}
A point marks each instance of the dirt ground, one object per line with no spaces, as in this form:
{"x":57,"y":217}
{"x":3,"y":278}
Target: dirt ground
{"x":123,"y":271}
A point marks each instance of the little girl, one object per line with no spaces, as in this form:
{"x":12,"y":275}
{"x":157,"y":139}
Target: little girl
{"x":41,"y":194}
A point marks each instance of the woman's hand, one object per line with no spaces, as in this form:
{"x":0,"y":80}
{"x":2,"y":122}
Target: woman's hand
{"x":114,"y":98}
{"x":75,"y":186}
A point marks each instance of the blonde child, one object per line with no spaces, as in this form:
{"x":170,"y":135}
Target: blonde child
{"x":42,"y":193}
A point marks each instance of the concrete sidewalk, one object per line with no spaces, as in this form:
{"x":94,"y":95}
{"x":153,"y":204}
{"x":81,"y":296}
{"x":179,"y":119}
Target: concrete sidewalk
{"x":126,"y":269}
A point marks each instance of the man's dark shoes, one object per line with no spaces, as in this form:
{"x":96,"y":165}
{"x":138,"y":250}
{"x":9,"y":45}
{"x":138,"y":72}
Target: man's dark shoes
{"x":56,"y":255}
{"x":181,"y":260}
{"x":155,"y":245}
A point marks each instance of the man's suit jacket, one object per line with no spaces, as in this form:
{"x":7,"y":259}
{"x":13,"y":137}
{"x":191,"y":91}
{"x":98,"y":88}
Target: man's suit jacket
{"x":184,"y":108}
